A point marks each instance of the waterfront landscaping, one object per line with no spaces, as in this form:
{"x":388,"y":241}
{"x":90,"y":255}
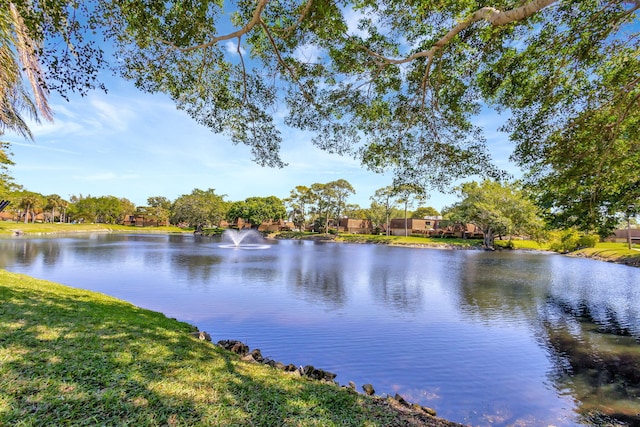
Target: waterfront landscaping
{"x":74,"y":357}
{"x":217,"y":325}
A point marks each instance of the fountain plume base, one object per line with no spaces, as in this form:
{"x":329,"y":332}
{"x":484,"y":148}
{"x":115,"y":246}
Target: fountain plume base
{"x":243,"y":239}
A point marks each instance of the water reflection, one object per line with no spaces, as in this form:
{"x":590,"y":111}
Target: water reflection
{"x":521,"y":283}
{"x":596,"y":365}
{"x":487,"y":338}
{"x":195,"y":268}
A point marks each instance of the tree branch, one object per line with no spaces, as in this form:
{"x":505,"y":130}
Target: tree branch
{"x":284,"y":65}
{"x":244,"y":70}
{"x":303,"y":14}
{"x":489,"y":14}
{"x":255,"y":20}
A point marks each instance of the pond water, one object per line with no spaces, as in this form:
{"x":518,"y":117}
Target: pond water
{"x":488,"y":339}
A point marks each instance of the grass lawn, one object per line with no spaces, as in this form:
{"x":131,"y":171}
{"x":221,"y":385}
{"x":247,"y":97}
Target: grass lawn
{"x":412,"y":240}
{"x":10,"y":227}
{"x":73,"y":357}
{"x":436,"y":241}
{"x":613,"y":252}
{"x":398,"y":240}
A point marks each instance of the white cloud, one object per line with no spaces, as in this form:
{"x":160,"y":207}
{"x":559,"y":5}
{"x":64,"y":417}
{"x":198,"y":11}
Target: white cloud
{"x":232,"y":48}
{"x":36,"y":146}
{"x":352,"y":18}
{"x":112,"y":115}
{"x":308,"y":53}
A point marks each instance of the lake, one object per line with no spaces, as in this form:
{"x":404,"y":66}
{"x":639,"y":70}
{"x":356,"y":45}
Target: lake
{"x":484,"y":338}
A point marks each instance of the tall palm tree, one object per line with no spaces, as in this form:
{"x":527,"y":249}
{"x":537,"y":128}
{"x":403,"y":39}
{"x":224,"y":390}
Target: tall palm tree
{"x":54,"y":201}
{"x":63,"y":210}
{"x":18,"y":60}
{"x":29,"y":201}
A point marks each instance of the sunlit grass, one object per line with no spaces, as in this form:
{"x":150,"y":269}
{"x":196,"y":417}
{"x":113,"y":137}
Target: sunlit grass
{"x":523,"y":244}
{"x":613,"y":252}
{"x":407,"y":240}
{"x":74,"y":357}
{"x":11,"y":227}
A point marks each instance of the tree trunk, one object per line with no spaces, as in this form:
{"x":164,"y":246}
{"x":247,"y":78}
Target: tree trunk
{"x":326,"y":222}
{"x":388,"y":225}
{"x":488,"y":238}
{"x":405,"y":220}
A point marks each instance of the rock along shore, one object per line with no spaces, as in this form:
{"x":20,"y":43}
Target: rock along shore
{"x":412,"y":414}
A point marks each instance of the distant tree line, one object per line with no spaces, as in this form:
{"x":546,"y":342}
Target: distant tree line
{"x":496,"y":208}
{"x":318,"y":206}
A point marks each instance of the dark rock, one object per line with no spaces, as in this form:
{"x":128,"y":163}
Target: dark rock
{"x":329,"y":376}
{"x":248,"y":358}
{"x":290,"y":367}
{"x":307,"y":371}
{"x":226,"y":344}
{"x":368,"y":389}
{"x":413,"y":406}
{"x":234,"y":346}
{"x":240,"y":348}
{"x":428,"y":411}
{"x":201,"y":335}
{"x":317,"y":374}
{"x":400,"y":400}
{"x":257,"y":355}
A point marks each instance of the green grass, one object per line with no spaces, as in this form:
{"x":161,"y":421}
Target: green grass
{"x":524,"y":244}
{"x":73,"y":357}
{"x":437,"y":241}
{"x":414,"y":240}
{"x":612,"y":252}
{"x":10,"y":227}
{"x":408,"y":240}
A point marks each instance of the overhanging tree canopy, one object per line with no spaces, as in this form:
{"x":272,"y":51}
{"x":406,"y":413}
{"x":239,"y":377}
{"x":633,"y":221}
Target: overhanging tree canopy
{"x":396,"y":83}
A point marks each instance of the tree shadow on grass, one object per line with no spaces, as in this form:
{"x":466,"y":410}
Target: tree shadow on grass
{"x":73,"y":357}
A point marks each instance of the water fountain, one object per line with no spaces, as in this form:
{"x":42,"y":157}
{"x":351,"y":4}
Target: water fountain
{"x":243,"y":239}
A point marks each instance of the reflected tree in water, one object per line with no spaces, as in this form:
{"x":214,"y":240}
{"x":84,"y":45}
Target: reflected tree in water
{"x":598,"y":364}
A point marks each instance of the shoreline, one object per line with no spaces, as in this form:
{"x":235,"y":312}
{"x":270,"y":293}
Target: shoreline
{"x":628,"y":261}
{"x":592,"y":254}
{"x":72,"y":355}
{"x":596,"y":254}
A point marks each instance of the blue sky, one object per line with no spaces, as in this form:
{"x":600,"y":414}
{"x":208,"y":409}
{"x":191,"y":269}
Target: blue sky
{"x":127,"y":143}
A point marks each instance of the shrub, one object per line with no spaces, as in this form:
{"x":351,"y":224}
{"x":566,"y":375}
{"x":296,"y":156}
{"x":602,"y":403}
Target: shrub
{"x":569,"y":241}
{"x":565,"y":241}
{"x":588,"y":241}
